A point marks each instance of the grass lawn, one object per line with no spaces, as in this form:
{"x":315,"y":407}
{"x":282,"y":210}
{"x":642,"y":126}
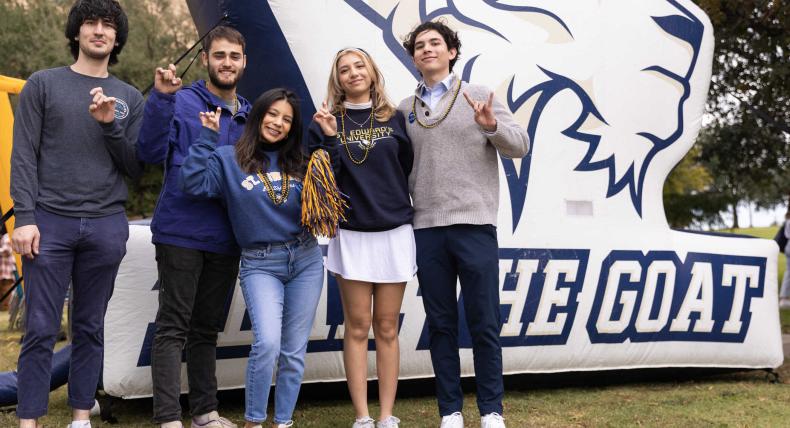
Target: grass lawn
{"x":673,"y":398}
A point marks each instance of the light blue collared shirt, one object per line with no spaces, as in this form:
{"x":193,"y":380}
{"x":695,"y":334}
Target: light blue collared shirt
{"x":431,"y":96}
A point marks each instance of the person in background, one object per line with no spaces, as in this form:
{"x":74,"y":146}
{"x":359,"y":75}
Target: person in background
{"x":784,"y":292}
{"x":7,"y":270}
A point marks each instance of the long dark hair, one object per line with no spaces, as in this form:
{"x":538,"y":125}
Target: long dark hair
{"x":291,"y":159}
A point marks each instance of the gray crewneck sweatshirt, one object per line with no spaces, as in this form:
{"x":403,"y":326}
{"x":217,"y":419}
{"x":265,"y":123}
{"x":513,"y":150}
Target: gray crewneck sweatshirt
{"x":455,"y":178}
{"x":63,"y":160}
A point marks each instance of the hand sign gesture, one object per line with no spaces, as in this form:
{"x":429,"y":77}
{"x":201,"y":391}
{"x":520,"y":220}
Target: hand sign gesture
{"x":326,"y":120}
{"x":102,"y":107}
{"x":484,"y":112}
{"x":166,"y":81}
{"x":210,"y":119}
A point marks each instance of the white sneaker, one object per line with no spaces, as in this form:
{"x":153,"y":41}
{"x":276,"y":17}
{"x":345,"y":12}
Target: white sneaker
{"x":79,"y":424}
{"x":172,"y":424}
{"x":212,"y":420}
{"x":286,"y":425}
{"x":784,"y":303}
{"x":456,"y":420}
{"x":390,"y":422}
{"x":364,"y":422}
{"x":492,"y":420}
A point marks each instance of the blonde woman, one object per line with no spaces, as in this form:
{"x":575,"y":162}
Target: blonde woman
{"x":373,"y":254}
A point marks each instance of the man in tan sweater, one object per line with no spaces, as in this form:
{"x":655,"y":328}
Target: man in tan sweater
{"x":454,"y":185}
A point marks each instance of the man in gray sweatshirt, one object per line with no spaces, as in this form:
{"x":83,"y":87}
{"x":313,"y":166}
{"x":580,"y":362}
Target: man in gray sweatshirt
{"x":75,"y":131}
{"x":454,"y":186}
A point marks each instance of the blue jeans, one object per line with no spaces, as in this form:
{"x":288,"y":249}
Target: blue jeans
{"x":281,"y":285}
{"x":86,"y":252}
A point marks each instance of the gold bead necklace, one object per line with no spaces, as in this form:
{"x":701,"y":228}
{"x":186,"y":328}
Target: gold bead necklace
{"x":442,"y":117}
{"x":344,"y":140}
{"x":278,"y":200}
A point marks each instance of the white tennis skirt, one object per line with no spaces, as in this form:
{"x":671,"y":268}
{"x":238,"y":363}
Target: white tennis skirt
{"x":383,"y":257}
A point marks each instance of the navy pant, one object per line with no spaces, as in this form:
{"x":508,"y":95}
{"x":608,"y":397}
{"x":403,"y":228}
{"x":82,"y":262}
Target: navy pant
{"x":468,"y":253}
{"x":87,"y":253}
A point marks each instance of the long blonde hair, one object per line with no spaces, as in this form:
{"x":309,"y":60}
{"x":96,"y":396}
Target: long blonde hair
{"x":383,"y":109}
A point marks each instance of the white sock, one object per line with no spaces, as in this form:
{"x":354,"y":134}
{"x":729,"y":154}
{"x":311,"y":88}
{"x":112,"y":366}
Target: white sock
{"x":80,"y":424}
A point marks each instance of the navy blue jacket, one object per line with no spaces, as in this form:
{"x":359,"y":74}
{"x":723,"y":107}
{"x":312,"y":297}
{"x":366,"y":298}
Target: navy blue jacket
{"x":377,"y":189}
{"x":171,"y":124}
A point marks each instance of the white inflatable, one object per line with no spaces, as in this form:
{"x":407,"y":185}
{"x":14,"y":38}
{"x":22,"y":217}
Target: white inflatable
{"x":592,"y":277}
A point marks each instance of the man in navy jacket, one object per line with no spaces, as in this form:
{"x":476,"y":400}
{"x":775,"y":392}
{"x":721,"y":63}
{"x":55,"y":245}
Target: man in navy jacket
{"x":196,"y":253}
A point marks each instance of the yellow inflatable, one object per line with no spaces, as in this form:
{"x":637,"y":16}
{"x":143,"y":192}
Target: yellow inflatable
{"x":8,"y":85}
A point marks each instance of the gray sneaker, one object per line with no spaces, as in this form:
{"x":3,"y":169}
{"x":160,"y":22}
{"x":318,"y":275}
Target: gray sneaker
{"x":214,"y":420}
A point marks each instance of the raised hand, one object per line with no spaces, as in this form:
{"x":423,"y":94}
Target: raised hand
{"x":102,"y":107}
{"x":484,"y":112}
{"x":166,"y":80}
{"x":326,"y":120}
{"x":210,"y":119}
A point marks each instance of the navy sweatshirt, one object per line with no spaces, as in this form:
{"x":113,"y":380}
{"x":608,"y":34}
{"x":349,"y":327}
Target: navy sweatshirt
{"x":377,"y":189}
{"x":212,"y":172}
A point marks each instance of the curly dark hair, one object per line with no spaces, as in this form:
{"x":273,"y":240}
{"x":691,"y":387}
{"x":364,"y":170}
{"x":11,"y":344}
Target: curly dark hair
{"x":292,"y":159}
{"x":440,"y":26}
{"x":110,"y":10}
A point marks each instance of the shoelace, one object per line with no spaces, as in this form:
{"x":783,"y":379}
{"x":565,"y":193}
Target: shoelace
{"x":495,"y":417}
{"x":225,"y":421}
{"x":452,"y":418}
{"x":366,"y":421}
{"x":391,"y":421}
{"x":222,"y":421}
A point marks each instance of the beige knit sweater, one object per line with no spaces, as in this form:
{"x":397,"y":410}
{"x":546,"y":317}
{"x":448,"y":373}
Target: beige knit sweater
{"x":455,"y":178}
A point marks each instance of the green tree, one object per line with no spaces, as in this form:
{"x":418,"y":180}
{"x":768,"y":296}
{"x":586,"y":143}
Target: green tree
{"x":687,"y":198}
{"x":746,"y":147}
{"x":32,"y":37}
